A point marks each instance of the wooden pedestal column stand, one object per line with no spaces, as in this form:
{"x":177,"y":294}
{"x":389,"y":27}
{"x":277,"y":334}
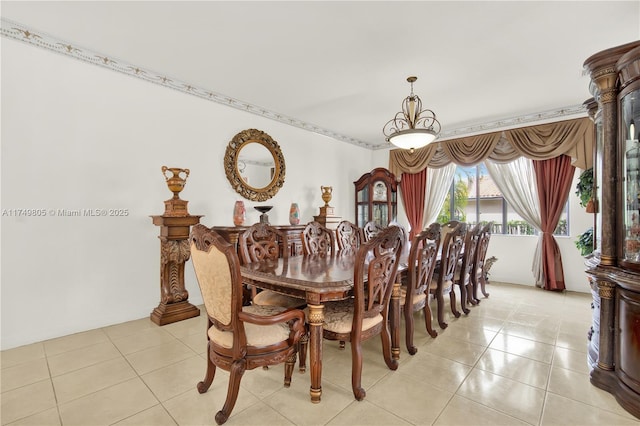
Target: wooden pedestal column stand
{"x":175,"y":225}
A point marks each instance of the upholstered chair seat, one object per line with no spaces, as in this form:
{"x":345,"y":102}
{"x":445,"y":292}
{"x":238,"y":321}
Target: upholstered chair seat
{"x":273,"y":298}
{"x":338,"y":317}
{"x":257,"y":335}
{"x":415,"y":299}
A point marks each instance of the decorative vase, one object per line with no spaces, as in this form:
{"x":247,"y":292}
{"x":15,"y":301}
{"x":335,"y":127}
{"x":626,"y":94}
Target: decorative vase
{"x":326,"y":194}
{"x":294,"y":214}
{"x":239,"y":213}
{"x":176,"y":182}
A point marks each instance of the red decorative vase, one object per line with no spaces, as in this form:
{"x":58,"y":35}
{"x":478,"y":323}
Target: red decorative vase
{"x":239,"y":213}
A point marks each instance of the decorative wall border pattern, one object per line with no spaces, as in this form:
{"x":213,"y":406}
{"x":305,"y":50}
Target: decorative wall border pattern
{"x":33,"y":37}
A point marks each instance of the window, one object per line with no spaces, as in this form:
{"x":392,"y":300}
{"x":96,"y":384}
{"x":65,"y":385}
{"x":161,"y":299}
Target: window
{"x":474,"y":197}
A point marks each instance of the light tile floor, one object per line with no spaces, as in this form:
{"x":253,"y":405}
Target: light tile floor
{"x":519,"y":358}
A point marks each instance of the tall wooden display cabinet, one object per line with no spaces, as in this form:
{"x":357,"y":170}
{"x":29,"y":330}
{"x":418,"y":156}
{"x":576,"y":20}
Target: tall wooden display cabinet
{"x":614,"y":269}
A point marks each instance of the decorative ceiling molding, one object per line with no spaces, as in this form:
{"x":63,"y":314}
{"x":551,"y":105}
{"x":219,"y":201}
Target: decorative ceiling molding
{"x":16,"y":31}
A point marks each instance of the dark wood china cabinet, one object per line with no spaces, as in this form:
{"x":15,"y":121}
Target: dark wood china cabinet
{"x":614,"y":268}
{"x":376,"y":197}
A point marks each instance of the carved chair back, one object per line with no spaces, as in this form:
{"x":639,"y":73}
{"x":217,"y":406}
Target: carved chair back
{"x":481,"y":251}
{"x":261,"y":242}
{"x":421,"y":264}
{"x":370,"y":230}
{"x":217,"y":269}
{"x":348,"y":237}
{"x":470,"y":249}
{"x":316,"y":239}
{"x":479,"y":277}
{"x":453,"y":234}
{"x":380,"y":257}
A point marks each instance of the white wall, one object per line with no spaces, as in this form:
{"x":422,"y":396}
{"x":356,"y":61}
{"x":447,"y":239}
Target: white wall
{"x":76,"y":136}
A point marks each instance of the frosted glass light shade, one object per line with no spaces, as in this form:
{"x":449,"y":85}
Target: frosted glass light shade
{"x":413,"y":138}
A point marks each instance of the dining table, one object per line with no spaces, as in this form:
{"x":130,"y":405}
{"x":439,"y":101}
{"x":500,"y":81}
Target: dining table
{"x":317,"y":279}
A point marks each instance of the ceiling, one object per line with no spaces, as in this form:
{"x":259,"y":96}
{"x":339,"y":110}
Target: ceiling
{"x":340,"y":68}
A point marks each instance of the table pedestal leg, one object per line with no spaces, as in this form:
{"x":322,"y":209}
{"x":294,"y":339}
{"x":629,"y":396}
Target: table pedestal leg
{"x":316,"y":321}
{"x":395,"y":321}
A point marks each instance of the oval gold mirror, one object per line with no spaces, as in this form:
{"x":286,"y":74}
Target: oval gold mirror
{"x":254,"y":165}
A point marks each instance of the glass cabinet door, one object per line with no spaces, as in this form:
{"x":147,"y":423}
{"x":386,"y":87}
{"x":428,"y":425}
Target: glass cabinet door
{"x":376,"y":198}
{"x":630,"y":121}
{"x":598,"y":182}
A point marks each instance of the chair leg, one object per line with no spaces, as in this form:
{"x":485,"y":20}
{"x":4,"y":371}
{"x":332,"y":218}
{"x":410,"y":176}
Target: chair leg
{"x":204,"y":385}
{"x":463,"y":298}
{"x":483,"y":281}
{"x":385,"y":335}
{"x":235,"y":375}
{"x":470,"y":298}
{"x":302,"y":351}
{"x":440,"y":300}
{"x":452,"y":301}
{"x":341,"y":344}
{"x":288,"y":369}
{"x":356,"y":371}
{"x":427,"y":320}
{"x":408,"y":322}
{"x":475,"y":289}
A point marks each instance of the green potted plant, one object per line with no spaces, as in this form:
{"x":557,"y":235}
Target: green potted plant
{"x":584,"y":243}
{"x":584,"y":187}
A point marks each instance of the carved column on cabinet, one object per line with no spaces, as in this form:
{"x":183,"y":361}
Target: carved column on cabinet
{"x":604,"y":77}
{"x":606,"y":291}
{"x":174,"y":252}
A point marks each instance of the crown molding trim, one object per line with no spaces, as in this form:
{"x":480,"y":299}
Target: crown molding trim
{"x":20,"y":32}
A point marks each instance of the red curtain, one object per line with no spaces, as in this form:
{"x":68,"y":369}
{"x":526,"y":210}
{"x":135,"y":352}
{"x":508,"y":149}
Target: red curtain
{"x":412,"y":189}
{"x":553,"y":179}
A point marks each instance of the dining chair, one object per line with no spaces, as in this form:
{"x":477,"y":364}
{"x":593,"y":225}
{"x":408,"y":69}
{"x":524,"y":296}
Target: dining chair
{"x":453,"y":234}
{"x":479,"y":276}
{"x":366,"y":314}
{"x":262,"y":242}
{"x":348,"y":237}
{"x":317,"y":239}
{"x":464,"y":269}
{"x":370,"y":230}
{"x":415,"y":293}
{"x":239,"y":338}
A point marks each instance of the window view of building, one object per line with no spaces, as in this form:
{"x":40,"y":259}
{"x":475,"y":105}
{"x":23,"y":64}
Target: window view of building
{"x":474,"y":197}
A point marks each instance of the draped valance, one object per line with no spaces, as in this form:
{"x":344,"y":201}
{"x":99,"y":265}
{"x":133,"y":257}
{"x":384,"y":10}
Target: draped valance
{"x":574,"y":138}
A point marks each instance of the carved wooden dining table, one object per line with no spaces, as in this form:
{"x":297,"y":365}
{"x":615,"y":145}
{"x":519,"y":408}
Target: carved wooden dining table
{"x":317,"y":279}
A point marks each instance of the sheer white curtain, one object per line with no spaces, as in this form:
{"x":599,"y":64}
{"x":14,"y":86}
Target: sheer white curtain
{"x":517,"y":182}
{"x":438,"y":185}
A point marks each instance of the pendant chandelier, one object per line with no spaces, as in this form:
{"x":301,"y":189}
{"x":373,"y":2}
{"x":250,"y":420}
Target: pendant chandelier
{"x":412,"y":127}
